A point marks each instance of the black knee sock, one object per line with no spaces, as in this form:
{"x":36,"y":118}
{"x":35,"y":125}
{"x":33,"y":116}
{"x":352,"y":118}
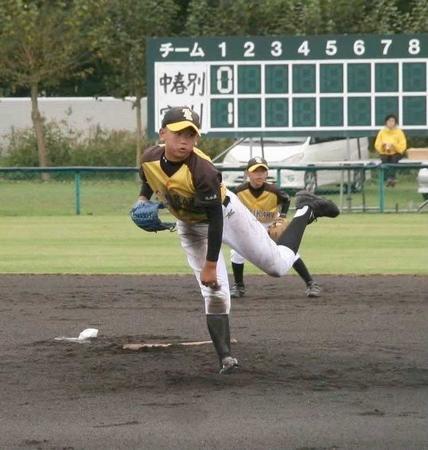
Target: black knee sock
{"x":300,"y":267}
{"x":218,"y":326}
{"x":238,"y":273}
{"x":293,"y":234}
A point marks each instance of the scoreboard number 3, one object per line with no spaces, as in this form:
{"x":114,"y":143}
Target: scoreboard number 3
{"x":276,"y":48}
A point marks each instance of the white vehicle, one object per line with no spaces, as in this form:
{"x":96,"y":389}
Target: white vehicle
{"x":419,"y":155}
{"x":423,"y":183}
{"x":298,"y":151}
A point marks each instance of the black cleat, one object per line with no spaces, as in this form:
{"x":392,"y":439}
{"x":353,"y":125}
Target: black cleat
{"x":321,"y":207}
{"x":228,"y":365}
{"x":313,"y":289}
{"x":237,"y":290}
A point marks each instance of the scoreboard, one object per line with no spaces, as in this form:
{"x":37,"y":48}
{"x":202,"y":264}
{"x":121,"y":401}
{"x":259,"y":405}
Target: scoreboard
{"x":327,"y":85}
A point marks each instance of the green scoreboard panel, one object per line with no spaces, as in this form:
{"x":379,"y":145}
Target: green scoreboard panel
{"x":288,"y":85}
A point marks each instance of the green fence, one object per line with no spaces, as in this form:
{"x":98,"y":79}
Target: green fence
{"x":371,"y":182}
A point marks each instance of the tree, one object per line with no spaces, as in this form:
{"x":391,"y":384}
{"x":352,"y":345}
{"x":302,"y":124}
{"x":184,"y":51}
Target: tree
{"x":300,"y":17}
{"x":127,"y":25}
{"x":416,"y":19}
{"x":42,"y":43}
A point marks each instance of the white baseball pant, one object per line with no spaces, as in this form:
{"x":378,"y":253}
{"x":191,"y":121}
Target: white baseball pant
{"x":244,"y":234}
{"x":236,"y":258}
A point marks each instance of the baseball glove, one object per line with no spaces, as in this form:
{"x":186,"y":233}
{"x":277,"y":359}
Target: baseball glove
{"x":277,"y":228}
{"x":146,"y":216}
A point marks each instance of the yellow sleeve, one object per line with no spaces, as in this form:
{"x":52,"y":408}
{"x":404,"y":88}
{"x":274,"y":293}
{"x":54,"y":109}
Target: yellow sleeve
{"x":401,"y":144}
{"x":378,"y":142}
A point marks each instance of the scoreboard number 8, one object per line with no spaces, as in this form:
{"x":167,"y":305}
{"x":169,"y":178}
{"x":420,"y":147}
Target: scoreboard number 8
{"x":414,"y":47}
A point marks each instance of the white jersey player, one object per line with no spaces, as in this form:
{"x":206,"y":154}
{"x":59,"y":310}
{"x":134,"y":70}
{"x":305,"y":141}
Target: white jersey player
{"x":186,"y":181}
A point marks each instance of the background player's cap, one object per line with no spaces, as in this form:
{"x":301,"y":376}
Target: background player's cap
{"x":181,"y":117}
{"x":255,"y":163}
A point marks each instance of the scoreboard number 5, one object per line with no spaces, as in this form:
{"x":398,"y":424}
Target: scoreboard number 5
{"x":331,"y":48}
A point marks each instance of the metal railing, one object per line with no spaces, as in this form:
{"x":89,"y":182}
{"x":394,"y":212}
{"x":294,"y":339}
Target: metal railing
{"x":346,"y":168}
{"x":76,"y":170}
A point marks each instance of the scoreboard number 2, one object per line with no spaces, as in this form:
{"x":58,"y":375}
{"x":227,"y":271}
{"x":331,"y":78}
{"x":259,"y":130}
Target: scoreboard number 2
{"x":249,"y":49}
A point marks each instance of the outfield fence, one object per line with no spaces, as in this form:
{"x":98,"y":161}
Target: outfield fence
{"x":371,"y":184}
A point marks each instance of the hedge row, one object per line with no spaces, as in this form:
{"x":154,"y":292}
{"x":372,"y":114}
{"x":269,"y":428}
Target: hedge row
{"x":68,"y":147}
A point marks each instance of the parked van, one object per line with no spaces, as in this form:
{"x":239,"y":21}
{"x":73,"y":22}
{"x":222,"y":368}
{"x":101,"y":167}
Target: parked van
{"x":299,"y":151}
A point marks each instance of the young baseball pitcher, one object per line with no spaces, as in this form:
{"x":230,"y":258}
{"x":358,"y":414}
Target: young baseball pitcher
{"x":184,"y":179}
{"x":267,"y":203}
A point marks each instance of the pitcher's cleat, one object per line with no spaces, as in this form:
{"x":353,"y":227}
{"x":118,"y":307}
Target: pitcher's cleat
{"x":321,"y":207}
{"x":228,"y":365}
{"x":237,"y":290}
{"x":313,"y":289}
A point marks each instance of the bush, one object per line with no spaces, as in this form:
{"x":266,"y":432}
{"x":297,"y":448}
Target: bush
{"x":68,"y":147}
{"x":214,"y":146}
{"x":22,"y":147}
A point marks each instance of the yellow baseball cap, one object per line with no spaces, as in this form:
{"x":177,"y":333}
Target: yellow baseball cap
{"x":255,"y":163}
{"x":181,"y":117}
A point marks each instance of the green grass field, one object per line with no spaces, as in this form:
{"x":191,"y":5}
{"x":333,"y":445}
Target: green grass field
{"x":113,"y":197}
{"x":350,"y":244}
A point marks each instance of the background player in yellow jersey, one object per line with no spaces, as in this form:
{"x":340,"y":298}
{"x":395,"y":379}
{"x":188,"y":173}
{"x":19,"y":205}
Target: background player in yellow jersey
{"x":183,"y":178}
{"x":266,"y":202}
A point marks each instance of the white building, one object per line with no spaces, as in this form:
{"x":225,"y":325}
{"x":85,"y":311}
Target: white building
{"x":79,"y":113}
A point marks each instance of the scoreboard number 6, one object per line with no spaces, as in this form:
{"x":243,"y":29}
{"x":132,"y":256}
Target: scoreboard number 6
{"x":359,"y":47}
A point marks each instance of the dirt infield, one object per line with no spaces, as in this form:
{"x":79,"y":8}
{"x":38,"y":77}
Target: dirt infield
{"x":346,"y":371}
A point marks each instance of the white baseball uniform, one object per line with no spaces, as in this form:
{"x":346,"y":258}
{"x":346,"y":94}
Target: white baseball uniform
{"x":245,"y":235}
